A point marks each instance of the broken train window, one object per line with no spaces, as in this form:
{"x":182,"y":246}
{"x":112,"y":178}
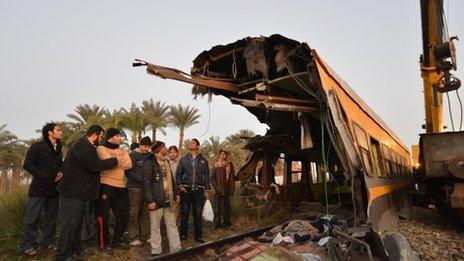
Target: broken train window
{"x":361,"y":138}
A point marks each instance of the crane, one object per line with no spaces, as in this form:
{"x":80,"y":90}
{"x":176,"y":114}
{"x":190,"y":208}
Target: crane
{"x":440,"y":159}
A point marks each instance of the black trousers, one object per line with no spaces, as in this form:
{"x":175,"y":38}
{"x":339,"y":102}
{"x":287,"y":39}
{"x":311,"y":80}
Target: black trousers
{"x":89,"y":223}
{"x":195,"y":199}
{"x":35,"y":206}
{"x":222,"y":211}
{"x":71,"y":214}
{"x":117,"y":200}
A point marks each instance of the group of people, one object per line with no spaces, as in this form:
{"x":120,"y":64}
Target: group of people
{"x":140,"y":188}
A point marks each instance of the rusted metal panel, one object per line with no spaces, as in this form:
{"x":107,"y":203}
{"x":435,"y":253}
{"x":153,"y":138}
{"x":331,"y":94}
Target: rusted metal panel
{"x":438,"y":150}
{"x":457,"y":198}
{"x":170,"y":73}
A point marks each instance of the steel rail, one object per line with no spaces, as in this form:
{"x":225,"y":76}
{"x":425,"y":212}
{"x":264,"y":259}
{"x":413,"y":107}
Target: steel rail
{"x":211,"y":244}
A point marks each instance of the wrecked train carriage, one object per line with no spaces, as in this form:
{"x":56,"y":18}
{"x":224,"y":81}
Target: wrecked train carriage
{"x":315,"y":120}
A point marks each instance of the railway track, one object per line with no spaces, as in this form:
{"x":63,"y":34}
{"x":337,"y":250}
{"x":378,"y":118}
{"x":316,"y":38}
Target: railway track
{"x":192,"y":253}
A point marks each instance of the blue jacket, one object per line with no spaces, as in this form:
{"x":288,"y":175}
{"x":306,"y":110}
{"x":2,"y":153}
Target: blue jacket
{"x":135,"y":174}
{"x":193,"y":172}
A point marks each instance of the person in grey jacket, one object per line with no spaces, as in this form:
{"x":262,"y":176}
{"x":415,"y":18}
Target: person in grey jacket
{"x":193,"y":181}
{"x":139,"y":222}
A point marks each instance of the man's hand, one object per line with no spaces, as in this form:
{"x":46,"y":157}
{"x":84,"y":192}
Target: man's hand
{"x":121,"y":159}
{"x":177,"y":200}
{"x":183,"y":189}
{"x":59,"y":176}
{"x":152,"y":206}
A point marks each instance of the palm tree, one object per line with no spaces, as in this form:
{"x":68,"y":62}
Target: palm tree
{"x":240,"y":137}
{"x":8,"y":157}
{"x":211,"y":148}
{"x":235,"y":144}
{"x":86,"y":115}
{"x":135,"y":121}
{"x":183,"y":118}
{"x":114,"y":119}
{"x":83,"y":117}
{"x":157,"y":114}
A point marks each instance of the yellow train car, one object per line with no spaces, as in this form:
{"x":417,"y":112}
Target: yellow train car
{"x":323,"y":143}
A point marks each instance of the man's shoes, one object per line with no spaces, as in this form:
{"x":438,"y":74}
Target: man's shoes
{"x":30,"y":252}
{"x":120,"y":245}
{"x":153,"y":255}
{"x":136,"y":243}
{"x":106,"y":250}
{"x":50,"y":247}
{"x":200,"y":240}
{"x":183,"y":238}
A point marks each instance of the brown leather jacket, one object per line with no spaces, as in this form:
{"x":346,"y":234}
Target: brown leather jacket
{"x":222,"y":185}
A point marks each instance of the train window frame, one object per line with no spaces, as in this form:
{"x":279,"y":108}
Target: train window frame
{"x":400,"y":163}
{"x":361,"y":136}
{"x":405,"y":168}
{"x":375,"y":148}
{"x":360,"y":133}
{"x":296,"y":173}
{"x":387,"y":160}
{"x":394,"y":163}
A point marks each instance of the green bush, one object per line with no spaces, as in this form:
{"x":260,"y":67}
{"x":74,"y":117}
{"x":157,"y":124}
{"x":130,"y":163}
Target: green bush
{"x":12,"y":209}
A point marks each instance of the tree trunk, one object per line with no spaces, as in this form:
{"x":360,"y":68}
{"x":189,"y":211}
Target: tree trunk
{"x":15,"y":181}
{"x":134,"y":137}
{"x":153,"y":134}
{"x":4,"y":180}
{"x":139,"y":137}
{"x":181,"y":142}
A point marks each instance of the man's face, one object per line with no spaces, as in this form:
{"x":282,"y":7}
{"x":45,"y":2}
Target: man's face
{"x":98,"y":138}
{"x":116,"y":139}
{"x":193,"y":145}
{"x":144,"y":148}
{"x":173,"y":154}
{"x":163,"y":151}
{"x":223,"y":155}
{"x":56,"y":134}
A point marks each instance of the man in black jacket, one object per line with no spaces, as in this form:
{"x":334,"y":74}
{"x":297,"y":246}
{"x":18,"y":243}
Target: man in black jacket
{"x":139,"y":222}
{"x":43,"y":161}
{"x":192,"y":179}
{"x":80,"y":183}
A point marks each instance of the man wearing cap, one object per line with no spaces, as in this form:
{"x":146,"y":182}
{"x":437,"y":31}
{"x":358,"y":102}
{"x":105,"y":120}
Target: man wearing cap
{"x":113,"y":192}
{"x":161,"y":194}
{"x":139,"y":220}
{"x":192,"y":179}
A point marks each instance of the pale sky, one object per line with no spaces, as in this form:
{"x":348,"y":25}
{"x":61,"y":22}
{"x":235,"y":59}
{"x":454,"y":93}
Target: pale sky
{"x":58,"y":54}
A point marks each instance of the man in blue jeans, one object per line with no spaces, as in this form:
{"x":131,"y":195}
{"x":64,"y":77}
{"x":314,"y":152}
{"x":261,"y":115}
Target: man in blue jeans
{"x":43,"y":161}
{"x":193,"y":181}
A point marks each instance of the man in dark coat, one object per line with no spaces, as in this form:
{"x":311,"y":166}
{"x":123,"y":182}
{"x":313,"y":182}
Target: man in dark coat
{"x":80,"y":183}
{"x":139,"y":222}
{"x":192,"y":179}
{"x":43,"y":161}
{"x":222,"y":179}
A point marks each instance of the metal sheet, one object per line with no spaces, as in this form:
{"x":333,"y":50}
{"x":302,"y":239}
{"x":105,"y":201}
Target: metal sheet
{"x":438,"y":149}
